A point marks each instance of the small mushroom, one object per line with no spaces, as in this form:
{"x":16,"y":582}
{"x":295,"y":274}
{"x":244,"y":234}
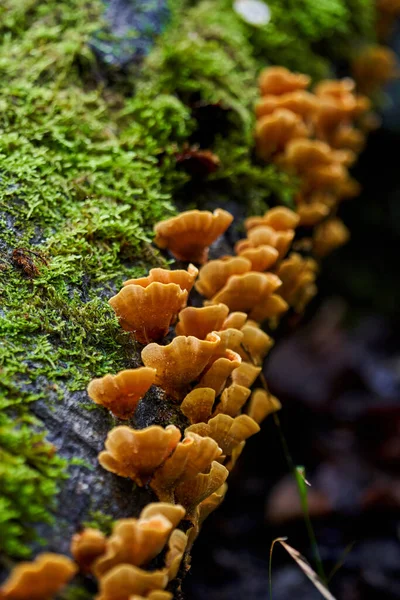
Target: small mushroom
{"x":300,"y":102}
{"x":298,"y":280}
{"x":232,"y":400}
{"x":148,"y":311}
{"x":328,"y":236}
{"x":261,"y":258}
{"x":124,"y":581}
{"x":176,"y":549}
{"x":231,"y":339}
{"x":256,"y":343}
{"x":279,"y":80}
{"x":274,"y":131}
{"x":246,"y":374}
{"x":271,"y":308}
{"x":87,"y":546}
{"x":189,"y":235}
{"x":197,"y":405}
{"x":243,"y":292}
{"x":134,"y":542}
{"x":193,"y":491}
{"x":214,"y":275}
{"x":262,"y":404}
{"x":191,"y":456}
{"x":373,"y":67}
{"x":313,"y":213}
{"x":121,"y":393}
{"x":173,"y":512}
{"x":185,"y":279}
{"x":180,"y":362}
{"x":235,"y":320}
{"x":228,"y":432}
{"x":136,"y":453}
{"x":279,"y":218}
{"x":216,"y":376}
{"x":40,"y":579}
{"x":201,"y":321}
{"x":264,"y":235}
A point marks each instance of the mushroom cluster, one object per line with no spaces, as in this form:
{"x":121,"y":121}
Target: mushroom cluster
{"x":316,"y":136}
{"x":215,"y":352}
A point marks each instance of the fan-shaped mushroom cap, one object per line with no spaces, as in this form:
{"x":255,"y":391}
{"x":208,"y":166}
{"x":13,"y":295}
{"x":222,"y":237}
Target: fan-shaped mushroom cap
{"x":264,"y":235}
{"x":86,"y":546}
{"x":235,"y":320}
{"x":193,"y":491}
{"x":274,"y":131}
{"x":246,"y":374}
{"x":148,"y":311}
{"x":228,"y":432}
{"x":262,"y":404}
{"x":279,"y":80}
{"x":335,"y":88}
{"x":279,"y":218}
{"x":121,"y":393}
{"x":205,"y":508}
{"x":261,"y":258}
{"x":300,"y":102}
{"x":136,"y":453}
{"x":134,"y":542}
{"x":232,"y":400}
{"x":373,"y":67}
{"x":347,"y":136}
{"x":201,"y":321}
{"x":214,"y":275}
{"x":271,"y":308}
{"x":256,"y":343}
{"x":155,"y":595}
{"x":189,"y":235}
{"x":298,"y":280}
{"x":40,"y":579}
{"x":231,"y":339}
{"x":313,"y":213}
{"x":176,"y":549}
{"x":301,"y":155}
{"x":192,"y":456}
{"x":173,"y":512}
{"x":216,"y":376}
{"x":329,"y":235}
{"x":243,"y":292}
{"x":185,"y":279}
{"x":197,"y":405}
{"x":180,"y":362}
{"x":327,"y":177}
{"x":124,"y":581}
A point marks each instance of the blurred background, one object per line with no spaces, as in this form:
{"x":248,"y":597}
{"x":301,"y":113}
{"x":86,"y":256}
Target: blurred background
{"x":338,"y":378}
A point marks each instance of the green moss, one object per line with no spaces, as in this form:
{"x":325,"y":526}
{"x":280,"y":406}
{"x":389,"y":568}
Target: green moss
{"x":99,"y":520}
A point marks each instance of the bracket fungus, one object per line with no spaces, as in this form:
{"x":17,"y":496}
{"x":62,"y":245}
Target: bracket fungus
{"x":148,"y":311}
{"x":299,"y":102}
{"x":214,"y":275}
{"x":279,"y":80}
{"x":264,"y":235}
{"x":176,"y":548}
{"x":216,"y":376}
{"x":134,"y":542}
{"x":298,"y":276}
{"x":262,"y":404}
{"x":87,"y":546}
{"x":124,"y":581}
{"x":192,"y":492}
{"x":328,"y":236}
{"x":201,"y":321}
{"x":233,"y":398}
{"x":275,"y":130}
{"x":279,"y":218}
{"x":243,"y":292}
{"x":121,"y":393}
{"x":189,"y":235}
{"x":261,"y":258}
{"x":40,"y":579}
{"x":198,"y":404}
{"x":180,"y":362}
{"x":256,"y":344}
{"x":185,"y":279}
{"x":136,"y":453}
{"x":245,"y":374}
{"x":235,"y":320}
{"x":227,"y":431}
{"x":191,"y":456}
